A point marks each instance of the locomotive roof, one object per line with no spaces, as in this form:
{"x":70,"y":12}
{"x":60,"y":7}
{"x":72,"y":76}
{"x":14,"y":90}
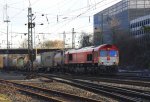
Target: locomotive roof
{"x":86,"y":49}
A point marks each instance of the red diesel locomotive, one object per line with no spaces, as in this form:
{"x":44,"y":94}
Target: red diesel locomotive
{"x":104,"y":57}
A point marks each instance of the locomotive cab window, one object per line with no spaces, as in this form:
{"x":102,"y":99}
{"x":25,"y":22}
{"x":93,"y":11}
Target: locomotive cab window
{"x":89,"y":57}
{"x":103,"y":53}
{"x":70,"y":57}
{"x":113,"y":53}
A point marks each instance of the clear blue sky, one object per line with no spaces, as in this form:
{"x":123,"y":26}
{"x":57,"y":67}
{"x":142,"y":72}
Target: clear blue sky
{"x":71,"y":14}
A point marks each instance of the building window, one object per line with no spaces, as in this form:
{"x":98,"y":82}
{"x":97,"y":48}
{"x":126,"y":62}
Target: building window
{"x":131,"y":26}
{"x":147,"y":6}
{"x":148,"y":21}
{"x":134,"y":25}
{"x":142,"y":23}
{"x":140,"y":2}
{"x":138,"y":24}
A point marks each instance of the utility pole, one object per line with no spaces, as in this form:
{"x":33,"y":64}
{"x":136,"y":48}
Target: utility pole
{"x":34,"y":45}
{"x":73,"y":38}
{"x":30,"y":39}
{"x":11,"y":37}
{"x":102,"y":37}
{"x":7,"y":21}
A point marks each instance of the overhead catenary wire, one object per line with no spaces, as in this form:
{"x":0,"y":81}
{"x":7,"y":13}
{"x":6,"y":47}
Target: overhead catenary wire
{"x":15,"y":3}
{"x":54,"y":5}
{"x":54,"y":15}
{"x":18,"y":13}
{"x":67,"y":12}
{"x":85,"y":12}
{"x":76,"y":10}
{"x":79,"y":15}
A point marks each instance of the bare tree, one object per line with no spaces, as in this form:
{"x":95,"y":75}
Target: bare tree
{"x":86,"y":39}
{"x":146,"y":28}
{"x":132,"y":50}
{"x":114,"y":24}
{"x":46,"y":44}
{"x":52,"y":44}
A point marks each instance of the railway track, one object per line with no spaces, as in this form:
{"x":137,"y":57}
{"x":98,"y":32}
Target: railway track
{"x":134,"y":76}
{"x":119,"y":93}
{"x":127,"y":75}
{"x":135,"y":73}
{"x":117,"y":80}
{"x":47,"y":94}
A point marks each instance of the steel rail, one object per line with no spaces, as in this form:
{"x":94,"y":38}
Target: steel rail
{"x":37,"y":95}
{"x":99,"y":90}
{"x":112,"y":80}
{"x":120,"y":90}
{"x":119,"y":81}
{"x":50,"y":91}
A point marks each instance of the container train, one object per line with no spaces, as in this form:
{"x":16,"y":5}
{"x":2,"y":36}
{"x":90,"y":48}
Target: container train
{"x":97,"y":59}
{"x":103,"y":58}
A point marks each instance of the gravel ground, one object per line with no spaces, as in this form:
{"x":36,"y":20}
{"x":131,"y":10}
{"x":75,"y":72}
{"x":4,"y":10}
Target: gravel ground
{"x":15,"y":96}
{"x":46,"y":83}
{"x":4,"y":98}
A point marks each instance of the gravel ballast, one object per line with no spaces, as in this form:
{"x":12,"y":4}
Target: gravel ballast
{"x":50,"y":84}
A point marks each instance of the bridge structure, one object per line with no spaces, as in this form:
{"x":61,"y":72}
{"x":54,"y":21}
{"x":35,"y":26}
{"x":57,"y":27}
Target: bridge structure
{"x":25,"y":51}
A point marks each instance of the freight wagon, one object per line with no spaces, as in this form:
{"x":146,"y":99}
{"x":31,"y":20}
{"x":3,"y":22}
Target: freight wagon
{"x":1,"y":61}
{"x":47,"y":61}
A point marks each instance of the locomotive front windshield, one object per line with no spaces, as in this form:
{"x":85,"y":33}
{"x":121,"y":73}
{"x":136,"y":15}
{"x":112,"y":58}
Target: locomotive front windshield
{"x":105,"y":53}
{"x":113,"y":53}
